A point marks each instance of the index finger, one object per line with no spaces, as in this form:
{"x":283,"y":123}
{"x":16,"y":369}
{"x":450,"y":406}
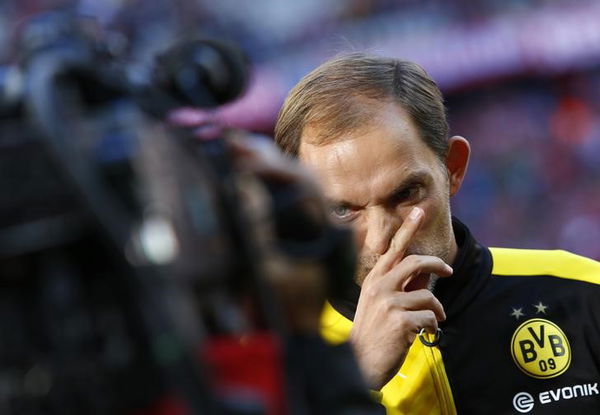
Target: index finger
{"x":400,"y":240}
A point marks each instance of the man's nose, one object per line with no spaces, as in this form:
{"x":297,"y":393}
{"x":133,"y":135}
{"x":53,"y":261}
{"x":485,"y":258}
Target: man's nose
{"x":381,"y":227}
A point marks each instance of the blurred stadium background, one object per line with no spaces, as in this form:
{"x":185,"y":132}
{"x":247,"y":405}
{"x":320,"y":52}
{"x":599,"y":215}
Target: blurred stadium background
{"x":521,"y":79}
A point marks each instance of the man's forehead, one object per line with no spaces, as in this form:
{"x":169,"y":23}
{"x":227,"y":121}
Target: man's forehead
{"x":388,"y":138}
{"x":348,"y":177}
{"x":339,"y":154}
{"x":367,"y":164}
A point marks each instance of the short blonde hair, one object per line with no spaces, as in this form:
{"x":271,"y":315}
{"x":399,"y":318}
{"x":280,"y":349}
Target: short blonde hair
{"x":332,"y":98}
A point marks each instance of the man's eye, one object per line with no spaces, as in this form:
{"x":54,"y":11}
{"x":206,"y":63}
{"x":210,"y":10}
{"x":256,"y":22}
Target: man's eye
{"x":341,"y":212}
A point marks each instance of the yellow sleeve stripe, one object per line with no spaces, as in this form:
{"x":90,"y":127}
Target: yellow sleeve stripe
{"x":557,"y":263}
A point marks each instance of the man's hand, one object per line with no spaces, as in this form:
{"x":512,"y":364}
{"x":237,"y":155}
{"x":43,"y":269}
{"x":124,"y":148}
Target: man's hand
{"x":388,"y":318}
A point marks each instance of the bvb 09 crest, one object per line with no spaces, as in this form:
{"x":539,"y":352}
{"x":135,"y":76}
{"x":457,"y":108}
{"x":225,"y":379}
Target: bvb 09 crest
{"x":540,"y":349}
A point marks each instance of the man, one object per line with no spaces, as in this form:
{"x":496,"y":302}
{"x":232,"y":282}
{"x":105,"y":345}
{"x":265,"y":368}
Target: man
{"x":518,"y":330}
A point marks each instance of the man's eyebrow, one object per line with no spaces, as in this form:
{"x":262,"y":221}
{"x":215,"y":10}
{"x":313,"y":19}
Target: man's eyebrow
{"x":415,"y":177}
{"x":341,"y":203}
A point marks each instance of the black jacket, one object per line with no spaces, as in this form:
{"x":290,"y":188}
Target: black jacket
{"x":522,"y":335}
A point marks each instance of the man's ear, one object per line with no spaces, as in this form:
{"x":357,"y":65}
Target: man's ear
{"x":457,"y":160}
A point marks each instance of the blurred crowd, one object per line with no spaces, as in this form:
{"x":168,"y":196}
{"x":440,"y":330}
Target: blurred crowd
{"x":534,"y":177}
{"x":521,"y":79}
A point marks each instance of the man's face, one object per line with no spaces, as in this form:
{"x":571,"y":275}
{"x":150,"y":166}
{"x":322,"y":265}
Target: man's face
{"x":373,"y":178}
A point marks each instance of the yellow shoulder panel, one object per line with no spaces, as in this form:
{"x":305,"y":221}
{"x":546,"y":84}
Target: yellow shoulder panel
{"x":335,"y":328}
{"x":557,"y":263}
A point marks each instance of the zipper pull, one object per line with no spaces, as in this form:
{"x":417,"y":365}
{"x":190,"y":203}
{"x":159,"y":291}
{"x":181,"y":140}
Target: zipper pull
{"x":436,"y":339}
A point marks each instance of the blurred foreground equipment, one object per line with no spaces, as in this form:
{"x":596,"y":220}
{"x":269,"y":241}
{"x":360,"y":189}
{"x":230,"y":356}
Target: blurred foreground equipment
{"x":133,"y":279}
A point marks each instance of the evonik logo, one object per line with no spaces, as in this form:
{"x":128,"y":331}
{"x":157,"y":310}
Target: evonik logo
{"x":568,"y":392}
{"x":524,"y":402}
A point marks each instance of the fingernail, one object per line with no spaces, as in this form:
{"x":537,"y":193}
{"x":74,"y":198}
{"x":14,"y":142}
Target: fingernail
{"x":415,"y":213}
{"x":449,"y":268}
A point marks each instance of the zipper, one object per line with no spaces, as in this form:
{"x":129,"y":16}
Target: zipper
{"x":440,"y":379}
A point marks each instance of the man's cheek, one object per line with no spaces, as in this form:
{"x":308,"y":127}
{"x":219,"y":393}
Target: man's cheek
{"x":359,"y":239}
{"x":430,"y":227}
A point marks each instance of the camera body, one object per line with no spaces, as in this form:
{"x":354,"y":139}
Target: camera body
{"x":127,"y":263}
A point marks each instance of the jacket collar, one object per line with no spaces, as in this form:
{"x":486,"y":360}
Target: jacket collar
{"x":472,"y":267}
